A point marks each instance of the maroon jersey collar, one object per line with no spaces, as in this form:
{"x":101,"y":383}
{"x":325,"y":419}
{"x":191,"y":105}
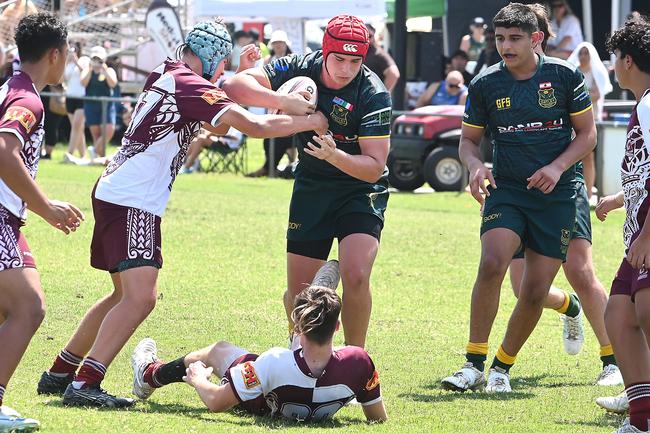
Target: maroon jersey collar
{"x":304,"y":368}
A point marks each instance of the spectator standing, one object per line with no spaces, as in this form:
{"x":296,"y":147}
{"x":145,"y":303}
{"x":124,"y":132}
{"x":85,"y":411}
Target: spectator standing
{"x":53,"y":113}
{"x":77,"y":62}
{"x":474,"y":42}
{"x":567,"y":28}
{"x":489,"y":56}
{"x":380,"y":62}
{"x":450,"y":91}
{"x":586,"y":58}
{"x":99,"y":80}
{"x":241,"y":39}
{"x":280,"y":47}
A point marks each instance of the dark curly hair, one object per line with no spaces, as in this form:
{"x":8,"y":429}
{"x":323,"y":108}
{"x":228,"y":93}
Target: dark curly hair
{"x":36,"y":34}
{"x":316,"y":313}
{"x":633,"y":39}
{"x":516,"y":15}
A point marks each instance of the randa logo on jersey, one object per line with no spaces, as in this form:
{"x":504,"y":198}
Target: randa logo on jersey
{"x":350,"y":48}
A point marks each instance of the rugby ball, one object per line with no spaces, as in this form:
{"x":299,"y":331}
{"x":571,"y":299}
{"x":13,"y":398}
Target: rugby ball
{"x":298,"y":84}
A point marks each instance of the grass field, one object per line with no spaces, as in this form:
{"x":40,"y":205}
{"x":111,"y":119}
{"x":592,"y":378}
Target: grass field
{"x":223,"y":278}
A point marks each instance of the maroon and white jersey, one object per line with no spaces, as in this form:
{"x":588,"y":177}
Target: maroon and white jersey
{"x":635,"y":170}
{"x":283,"y":379}
{"x":21,"y":114}
{"x":168,"y":115}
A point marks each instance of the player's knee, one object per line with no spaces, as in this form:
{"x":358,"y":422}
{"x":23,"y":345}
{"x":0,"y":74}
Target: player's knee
{"x":356,"y":279}
{"x":492,"y":266}
{"x":533,"y":297}
{"x":32,"y":315}
{"x":617,"y":322}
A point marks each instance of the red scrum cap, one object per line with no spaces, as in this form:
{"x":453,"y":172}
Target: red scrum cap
{"x":345,"y":34}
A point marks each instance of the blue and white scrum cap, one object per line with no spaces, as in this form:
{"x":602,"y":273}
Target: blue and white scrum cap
{"x":211,"y":43}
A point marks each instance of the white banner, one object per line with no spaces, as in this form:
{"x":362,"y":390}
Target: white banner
{"x":164,"y":26}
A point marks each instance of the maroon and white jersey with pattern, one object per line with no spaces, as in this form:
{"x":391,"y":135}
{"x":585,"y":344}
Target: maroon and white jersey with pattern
{"x":283,"y":379}
{"x":168,"y":115}
{"x":635,"y":170}
{"x":21,"y":114}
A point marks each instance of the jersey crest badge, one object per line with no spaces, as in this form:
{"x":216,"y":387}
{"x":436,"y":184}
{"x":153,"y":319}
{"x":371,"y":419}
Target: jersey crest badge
{"x":373,"y":382}
{"x":22,"y":115}
{"x":211,"y":96}
{"x":547,"y":97}
{"x":339,"y":115}
{"x":250,"y":377}
{"x":566,"y":237}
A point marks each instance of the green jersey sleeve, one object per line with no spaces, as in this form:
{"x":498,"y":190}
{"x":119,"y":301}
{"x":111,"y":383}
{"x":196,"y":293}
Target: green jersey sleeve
{"x":283,"y":69}
{"x":476,"y":113}
{"x":579,"y":94}
{"x":375,"y":122}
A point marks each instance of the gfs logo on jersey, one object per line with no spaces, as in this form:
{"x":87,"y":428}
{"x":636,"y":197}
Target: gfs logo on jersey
{"x":350,"y":48}
{"x":250,"y":377}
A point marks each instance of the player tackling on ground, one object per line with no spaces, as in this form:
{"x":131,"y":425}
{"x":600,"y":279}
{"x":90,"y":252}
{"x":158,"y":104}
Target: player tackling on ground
{"x":530,"y":103}
{"x":307,"y":384}
{"x":341,"y":187}
{"x":130,"y":197}
{"x":43,"y":48}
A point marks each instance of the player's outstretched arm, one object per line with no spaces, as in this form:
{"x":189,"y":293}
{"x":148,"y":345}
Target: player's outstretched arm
{"x":547,"y":177}
{"x":609,"y":203}
{"x":251,"y":87}
{"x":375,"y":412}
{"x":217,"y":398}
{"x":470,"y":155}
{"x":61,"y":215}
{"x":272,"y":125}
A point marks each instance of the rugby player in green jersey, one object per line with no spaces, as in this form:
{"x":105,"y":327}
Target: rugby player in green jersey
{"x":578,"y":269}
{"x":341,"y":187}
{"x":531,"y":104}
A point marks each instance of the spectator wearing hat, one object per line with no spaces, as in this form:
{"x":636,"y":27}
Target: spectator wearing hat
{"x":474,"y":42}
{"x":458,"y":62}
{"x":380,"y":62}
{"x":99,"y":80}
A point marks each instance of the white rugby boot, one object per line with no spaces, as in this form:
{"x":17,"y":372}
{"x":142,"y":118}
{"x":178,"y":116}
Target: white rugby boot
{"x":498,"y":381}
{"x":610,"y":375}
{"x":145,"y":353}
{"x":573,"y":334}
{"x":11,"y":421}
{"x":616,"y":404}
{"x":468,"y":378}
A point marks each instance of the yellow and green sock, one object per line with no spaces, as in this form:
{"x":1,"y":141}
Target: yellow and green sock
{"x":571,"y":306}
{"x":607,"y":355}
{"x":476,"y":354}
{"x":503,"y":360}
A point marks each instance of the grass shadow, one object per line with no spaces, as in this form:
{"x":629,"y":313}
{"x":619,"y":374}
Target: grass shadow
{"x":605,"y":420}
{"x":445,"y":397}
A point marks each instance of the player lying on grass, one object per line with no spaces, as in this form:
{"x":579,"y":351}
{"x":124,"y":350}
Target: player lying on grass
{"x":309,"y":384}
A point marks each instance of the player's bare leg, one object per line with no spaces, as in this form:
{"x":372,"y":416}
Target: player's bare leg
{"x":357,"y":253}
{"x":58,"y":377}
{"x":300,"y":273}
{"x":82,"y":340}
{"x":22,"y":303}
{"x":497,"y":248}
{"x":555,"y":297}
{"x":138,"y":300}
{"x":538,"y":277}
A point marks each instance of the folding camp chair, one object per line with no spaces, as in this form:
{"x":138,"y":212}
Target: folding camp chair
{"x":222,"y":158}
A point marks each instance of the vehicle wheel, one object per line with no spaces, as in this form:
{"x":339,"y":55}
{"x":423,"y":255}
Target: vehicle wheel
{"x":443,"y":170}
{"x":404,"y":174}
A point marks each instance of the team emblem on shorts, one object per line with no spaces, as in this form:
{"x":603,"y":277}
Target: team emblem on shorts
{"x":547,"y":97}
{"x":566,"y":237}
{"x":339,"y":115}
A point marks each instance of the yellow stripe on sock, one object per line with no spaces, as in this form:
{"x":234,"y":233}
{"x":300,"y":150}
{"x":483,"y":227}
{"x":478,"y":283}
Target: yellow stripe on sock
{"x":606,"y":350}
{"x":565,"y":305}
{"x":477,"y":348}
{"x":504,"y":357}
